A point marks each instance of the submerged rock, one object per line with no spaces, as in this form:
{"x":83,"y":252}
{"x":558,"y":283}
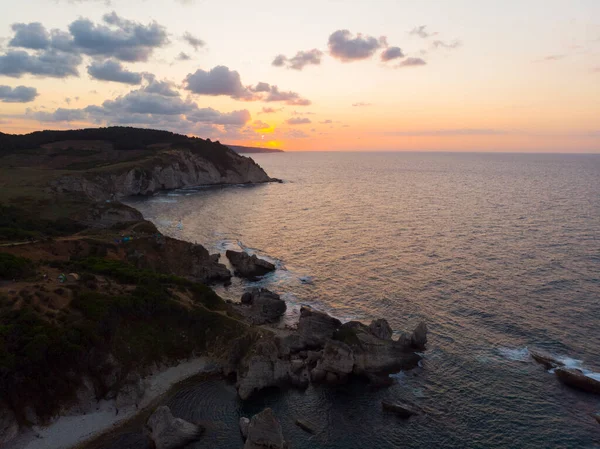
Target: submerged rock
{"x":264,"y":432}
{"x":543,"y":358}
{"x":244,"y":424}
{"x":400,"y":409}
{"x":261,"y":306}
{"x":248,"y":266}
{"x":577,"y":379}
{"x":168,"y":432}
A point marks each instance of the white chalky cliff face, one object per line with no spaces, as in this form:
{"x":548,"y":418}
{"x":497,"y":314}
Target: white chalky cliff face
{"x":171,"y":169}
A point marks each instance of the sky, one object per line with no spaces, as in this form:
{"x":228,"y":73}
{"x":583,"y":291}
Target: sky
{"x":353,"y":75}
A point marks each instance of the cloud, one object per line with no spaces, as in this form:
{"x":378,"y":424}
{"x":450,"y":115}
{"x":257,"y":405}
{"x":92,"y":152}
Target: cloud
{"x":293,"y":134}
{"x":448,"y":45}
{"x":119,"y":38}
{"x":218,"y":81}
{"x":360,"y":105}
{"x":289,"y":97}
{"x":279,"y":61}
{"x":110,"y":70}
{"x":50,"y":63}
{"x":300,"y":60}
{"x":19,"y":94}
{"x":326,"y":122}
{"x":392,"y":53}
{"x":554,"y":58}
{"x":261,"y":87}
{"x":259,"y":124}
{"x":270,"y":110}
{"x":183,"y":57}
{"x":154,"y":105}
{"x":421,"y":32}
{"x":412,"y":62}
{"x":345,"y":47}
{"x":298,"y":121}
{"x":30,"y":35}
{"x":195,"y":42}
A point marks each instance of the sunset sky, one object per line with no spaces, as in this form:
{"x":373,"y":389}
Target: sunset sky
{"x":461,"y":75}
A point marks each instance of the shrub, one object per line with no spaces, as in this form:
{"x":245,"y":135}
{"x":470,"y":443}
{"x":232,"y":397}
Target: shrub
{"x":14,"y":267}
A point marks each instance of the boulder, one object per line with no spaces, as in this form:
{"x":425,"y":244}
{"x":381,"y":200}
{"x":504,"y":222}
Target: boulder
{"x":264,"y":432}
{"x":337,"y":358}
{"x":381,"y":329}
{"x":244,"y":424}
{"x":577,"y":379}
{"x":261,"y":306}
{"x":248,"y":266}
{"x":372,"y":355}
{"x":168,"y":432}
{"x":545,"y":359}
{"x":315,"y":328}
{"x":9,"y":428}
{"x":400,"y":409}
{"x":418,"y":338}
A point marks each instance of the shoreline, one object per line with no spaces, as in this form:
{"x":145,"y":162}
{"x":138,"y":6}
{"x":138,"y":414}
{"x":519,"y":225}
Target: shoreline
{"x":78,"y":430}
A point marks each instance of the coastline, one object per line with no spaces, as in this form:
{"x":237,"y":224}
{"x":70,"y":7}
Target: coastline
{"x":77,"y":430}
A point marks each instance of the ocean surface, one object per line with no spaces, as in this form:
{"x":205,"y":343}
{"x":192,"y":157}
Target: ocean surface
{"x":498,"y":253}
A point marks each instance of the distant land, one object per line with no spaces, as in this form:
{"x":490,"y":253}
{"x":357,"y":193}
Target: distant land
{"x":242,"y":149}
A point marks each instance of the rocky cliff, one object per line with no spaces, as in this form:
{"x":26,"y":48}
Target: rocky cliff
{"x":171,"y":169}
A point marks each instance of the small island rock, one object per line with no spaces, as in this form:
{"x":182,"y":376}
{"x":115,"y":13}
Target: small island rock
{"x":264,"y":432}
{"x":168,"y":432}
{"x":248,"y":266}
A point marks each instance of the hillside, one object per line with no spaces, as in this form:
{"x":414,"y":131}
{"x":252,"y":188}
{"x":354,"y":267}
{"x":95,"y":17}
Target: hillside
{"x":242,"y":149}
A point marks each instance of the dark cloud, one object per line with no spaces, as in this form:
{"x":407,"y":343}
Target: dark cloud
{"x":360,"y":105}
{"x":412,"y":62}
{"x":19,"y":94}
{"x":347,"y":48}
{"x":300,"y":60}
{"x":45,"y":63}
{"x":448,"y":45}
{"x":195,"y":42}
{"x":119,"y":38}
{"x":183,"y":57}
{"x":218,"y":81}
{"x":30,"y":35}
{"x":392,"y":53}
{"x":110,"y":70}
{"x":298,"y":121}
{"x":261,"y":87}
{"x":422,"y":32}
{"x":60,"y":115}
{"x":279,"y":61}
{"x":210,"y":115}
{"x":164,"y":88}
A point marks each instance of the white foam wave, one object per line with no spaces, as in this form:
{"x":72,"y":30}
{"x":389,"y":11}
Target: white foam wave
{"x":515,"y":354}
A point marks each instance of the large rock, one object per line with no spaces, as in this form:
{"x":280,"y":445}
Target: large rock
{"x":168,"y":432}
{"x":577,"y":379}
{"x":262,"y":368}
{"x":248,"y":266}
{"x":543,"y":358}
{"x":372,"y":355}
{"x":261,"y":306}
{"x":418,"y":339}
{"x":381,"y":329}
{"x":315,"y":328}
{"x":264,"y":432}
{"x":337,"y":358}
{"x":9,"y":428}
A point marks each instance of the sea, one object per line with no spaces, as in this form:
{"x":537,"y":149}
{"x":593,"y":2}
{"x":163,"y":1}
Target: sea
{"x":497,"y":253}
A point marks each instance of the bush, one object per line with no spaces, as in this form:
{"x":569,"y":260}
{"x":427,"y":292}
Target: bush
{"x":14,"y":267}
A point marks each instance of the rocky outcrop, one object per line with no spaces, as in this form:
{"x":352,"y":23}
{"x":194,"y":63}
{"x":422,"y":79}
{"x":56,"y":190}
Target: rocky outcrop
{"x":545,"y":359}
{"x":171,"y":169}
{"x":244,"y":424}
{"x":264,"y":432}
{"x":321,"y":350}
{"x":381,"y":329}
{"x":168,"y":432}
{"x":260,"y":306}
{"x":418,"y":339}
{"x":248,"y":266}
{"x":577,"y":379}
{"x":400,"y":409}
{"x":9,"y":428}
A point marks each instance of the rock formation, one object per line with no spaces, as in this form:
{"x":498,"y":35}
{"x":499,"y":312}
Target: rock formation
{"x":248,"y":266}
{"x":577,"y":379}
{"x":264,"y":432}
{"x":168,"y":432}
{"x":260,"y":306}
{"x":543,"y":358}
